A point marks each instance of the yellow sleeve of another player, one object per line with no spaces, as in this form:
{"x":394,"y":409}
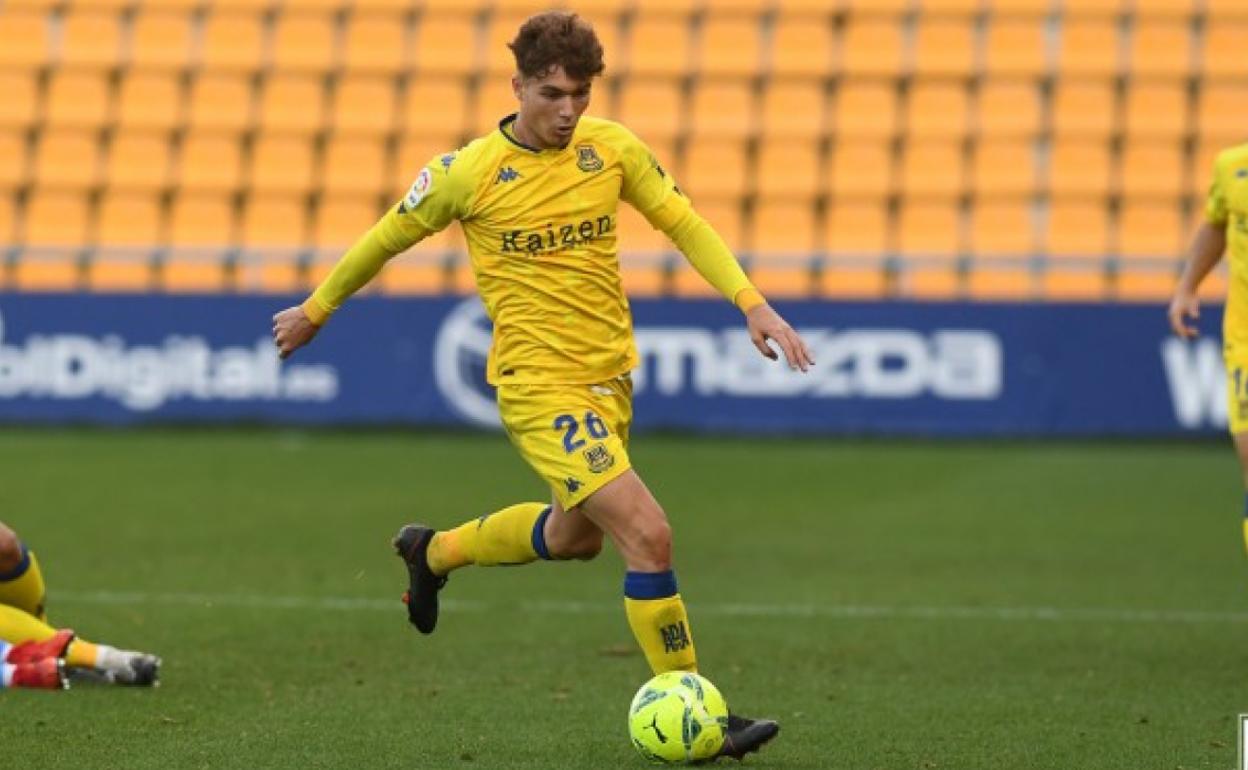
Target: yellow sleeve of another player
{"x":435,"y":198}
{"x":654,"y":193}
{"x":1215,"y":204}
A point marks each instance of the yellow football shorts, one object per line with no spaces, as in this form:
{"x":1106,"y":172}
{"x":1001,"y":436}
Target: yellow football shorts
{"x":574,"y":436}
{"x":1237,"y":393}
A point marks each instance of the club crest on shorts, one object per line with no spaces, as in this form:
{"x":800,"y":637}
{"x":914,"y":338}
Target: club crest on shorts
{"x":587,"y":158}
{"x":598,"y":458}
{"x":420,"y":188}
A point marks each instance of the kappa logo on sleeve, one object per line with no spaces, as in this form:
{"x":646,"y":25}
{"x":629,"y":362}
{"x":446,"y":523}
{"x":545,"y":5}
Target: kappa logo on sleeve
{"x":420,"y":188}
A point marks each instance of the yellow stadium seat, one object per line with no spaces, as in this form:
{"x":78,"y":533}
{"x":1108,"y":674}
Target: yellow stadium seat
{"x":956,"y":8}
{"x":1079,"y":168}
{"x":659,"y":46}
{"x":341,"y":219}
{"x":1172,"y":10}
{"x":78,"y":99}
{"x":871,"y":47}
{"x":932,"y":169}
{"x":374,"y":43}
{"x":1222,"y":53}
{"x":274,"y":221}
{"x":19,"y":107}
{"x":124,"y":271}
{"x":862,"y":169}
{"x":281,"y":165}
{"x":1002,"y":228}
{"x":354,"y":167}
{"x":888,"y":10}
{"x":793,"y":109}
{"x":800,"y":47}
{"x":303,"y":41}
{"x":937,"y":110}
{"x":723,"y":109}
{"x":56,"y":218}
{"x":414,"y":153}
{"x":150,"y":100}
{"x":1001,"y":283}
{"x":790,"y":278}
{"x":1156,"y":111}
{"x":857,"y":227}
{"x":652,"y":108}
{"x":138,"y":161}
{"x":1213,"y":117}
{"x":1007,"y":110}
{"x":682,"y":9}
{"x":91,"y":38}
{"x":1151,"y":228}
{"x":209,"y":163}
{"x":445,"y":45}
{"x":1097,"y":9}
{"x":1077,"y":227}
{"x":67,"y":159}
{"x":233,"y":41}
{"x":637,"y":237}
{"x":435,"y":106}
{"x":161,"y":40}
{"x":1004,"y":168}
{"x":499,"y":62}
{"x":715,"y":170}
{"x":13,"y":173}
{"x":129,"y":219}
{"x":1016,"y":48}
{"x":1159,"y":48}
{"x":25,"y":39}
{"x":1152,"y":169}
{"x":930,"y":228}
{"x":495,"y":100}
{"x":8,"y":222}
{"x":1153,"y":286}
{"x":789,"y":170}
{"x":729,"y":46}
{"x":1084,"y":109}
{"x":944,"y":47}
{"x":783,"y":228}
{"x":1088,"y":48}
{"x":292,"y":104}
{"x":864,"y":109}
{"x":363,"y":105}
{"x":1225,"y":10}
{"x":813,"y":10}
{"x":56,"y":272}
{"x":202,"y":219}
{"x":220,"y":102}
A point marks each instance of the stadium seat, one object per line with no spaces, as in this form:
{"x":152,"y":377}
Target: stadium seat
{"x":1002,"y":228}
{"x":1222,"y":53}
{"x":90,"y":39}
{"x":862,"y":169}
{"x":131,"y":220}
{"x":292,"y":104}
{"x":1001,"y":282}
{"x":728,"y":220}
{"x":1089,"y":47}
{"x":789,"y":170}
{"x":1213,"y":118}
{"x":955,"y":8}
{"x":729,"y":46}
{"x":498,"y":60}
{"x":1084,"y":109}
{"x":303,"y":42}
{"x":659,"y":46}
{"x":19,"y":109}
{"x":232,"y":42}
{"x":414,"y":153}
{"x":138,"y":161}
{"x":434,"y":106}
{"x":637,"y":237}
{"x":815,"y":11}
{"x":1077,"y":227}
{"x":864,"y":109}
{"x":67,"y":159}
{"x":281,"y":164}
{"x":274,"y":221}
{"x":801,"y":47}
{"x":1079,"y":168}
{"x":25,"y":39}
{"x":653,"y":108}
{"x":1159,"y":48}
{"x":375,"y":43}
{"x":354,"y":167}
{"x":220,"y":103}
{"x":56,"y":217}
{"x":944,"y":47}
{"x":1004,"y":168}
{"x":1225,"y":10}
{"x":161,"y":40}
{"x":1015,"y":48}
{"x":78,"y":99}
{"x":856,"y":227}
{"x":1152,"y":170}
{"x":150,"y":100}
{"x":715,"y":170}
{"x":1150,"y":228}
{"x":1171,"y":10}
{"x":8,"y":218}
{"x":794,"y":110}
{"x":209,"y":163}
{"x":882,"y":10}
{"x":937,"y":110}
{"x":495,"y":99}
{"x":1156,"y":111}
{"x":341,"y":219}
{"x":201,"y":219}
{"x":364,"y":106}
{"x":14,"y":173}
{"x":871,"y":47}
{"x":782,"y":228}
{"x":1018,"y":8}
{"x":421,"y":270}
{"x":930,"y":228}
{"x":1007,"y":110}
{"x":1096,"y":9}
{"x":722,"y":110}
{"x":932,"y":169}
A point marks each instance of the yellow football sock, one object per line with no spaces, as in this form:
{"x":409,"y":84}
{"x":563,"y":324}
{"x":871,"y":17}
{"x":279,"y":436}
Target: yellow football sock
{"x":23,"y":587}
{"x":1246,"y":533}
{"x":657,"y":615}
{"x":17,"y":626}
{"x":82,"y":654}
{"x":512,"y":535}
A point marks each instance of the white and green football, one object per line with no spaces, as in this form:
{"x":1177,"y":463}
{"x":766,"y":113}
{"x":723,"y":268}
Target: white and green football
{"x":677,"y":718}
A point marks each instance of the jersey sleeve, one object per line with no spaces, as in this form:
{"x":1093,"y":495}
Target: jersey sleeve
{"x":1215,"y":203}
{"x":439,"y":195}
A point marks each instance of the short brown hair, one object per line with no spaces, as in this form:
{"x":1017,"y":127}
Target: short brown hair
{"x":557,"y":38}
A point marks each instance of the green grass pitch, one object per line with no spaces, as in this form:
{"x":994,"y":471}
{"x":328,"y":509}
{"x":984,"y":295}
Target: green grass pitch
{"x":895,"y":605}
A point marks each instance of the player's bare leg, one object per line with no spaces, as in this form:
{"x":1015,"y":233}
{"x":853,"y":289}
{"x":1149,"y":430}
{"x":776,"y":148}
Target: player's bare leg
{"x":1241,"y":449}
{"x":628,"y":513}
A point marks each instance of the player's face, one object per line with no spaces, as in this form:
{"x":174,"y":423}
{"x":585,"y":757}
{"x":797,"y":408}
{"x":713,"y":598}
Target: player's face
{"x":550,"y":107}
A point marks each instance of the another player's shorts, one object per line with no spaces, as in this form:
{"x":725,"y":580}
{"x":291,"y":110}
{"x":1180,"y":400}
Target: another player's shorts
{"x":574,"y":436}
{"x":1237,"y":393}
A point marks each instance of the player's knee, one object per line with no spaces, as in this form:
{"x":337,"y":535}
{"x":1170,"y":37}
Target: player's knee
{"x":584,"y":547}
{"x":10,"y":550}
{"x":655,"y":542}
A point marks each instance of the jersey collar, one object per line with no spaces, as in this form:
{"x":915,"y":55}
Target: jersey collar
{"x":506,"y":127}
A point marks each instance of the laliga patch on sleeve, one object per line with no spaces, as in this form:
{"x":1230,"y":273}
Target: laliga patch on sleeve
{"x":420,"y":188}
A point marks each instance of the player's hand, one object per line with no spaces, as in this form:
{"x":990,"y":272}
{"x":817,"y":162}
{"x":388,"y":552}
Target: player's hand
{"x":1184,"y":306}
{"x":292,"y":329}
{"x":766,"y":324}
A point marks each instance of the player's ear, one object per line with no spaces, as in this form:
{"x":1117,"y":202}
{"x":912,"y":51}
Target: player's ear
{"x":517,"y":87}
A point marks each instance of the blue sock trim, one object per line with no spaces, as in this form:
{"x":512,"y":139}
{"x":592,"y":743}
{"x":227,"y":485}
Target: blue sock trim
{"x":539,"y":534}
{"x":20,"y":569}
{"x":650,"y":585}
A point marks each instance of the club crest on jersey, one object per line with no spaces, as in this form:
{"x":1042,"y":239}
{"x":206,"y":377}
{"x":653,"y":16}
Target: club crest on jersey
{"x":587,"y":158}
{"x":420,"y":188}
{"x":598,"y":458}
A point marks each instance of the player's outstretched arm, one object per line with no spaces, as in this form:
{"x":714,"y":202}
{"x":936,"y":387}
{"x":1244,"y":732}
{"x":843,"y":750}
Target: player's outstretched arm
{"x":1205,"y":252}
{"x":766,"y":324}
{"x":292,"y":329}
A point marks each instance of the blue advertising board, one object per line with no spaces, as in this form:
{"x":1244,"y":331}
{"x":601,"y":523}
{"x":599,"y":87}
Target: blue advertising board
{"x":892,"y":368}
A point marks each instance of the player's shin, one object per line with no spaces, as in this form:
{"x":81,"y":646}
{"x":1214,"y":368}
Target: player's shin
{"x":512,"y":535}
{"x":657,"y":615}
{"x":22,"y":586}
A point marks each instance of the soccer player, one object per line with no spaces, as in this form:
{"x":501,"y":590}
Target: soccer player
{"x":33,"y":653}
{"x":1226,"y":224}
{"x":537,"y":201}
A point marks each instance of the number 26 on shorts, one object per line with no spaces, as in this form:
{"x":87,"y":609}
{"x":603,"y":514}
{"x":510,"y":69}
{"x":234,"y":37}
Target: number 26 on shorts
{"x":570,"y":427}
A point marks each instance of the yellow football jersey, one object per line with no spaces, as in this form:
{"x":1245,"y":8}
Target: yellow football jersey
{"x":1227,"y":206}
